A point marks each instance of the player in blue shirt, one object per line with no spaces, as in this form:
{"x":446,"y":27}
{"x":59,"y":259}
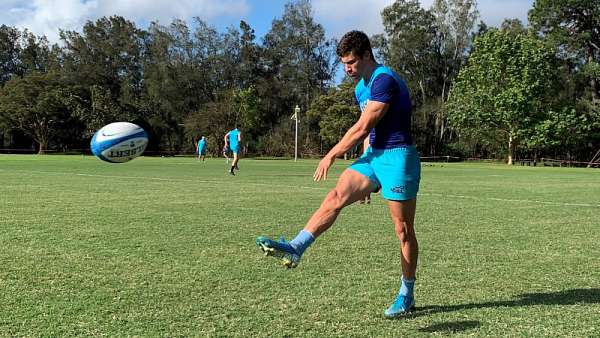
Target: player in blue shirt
{"x":390,"y":165}
{"x":201,"y":149}
{"x":234,"y":138}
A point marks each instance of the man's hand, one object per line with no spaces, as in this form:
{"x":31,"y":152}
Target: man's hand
{"x":366,"y":200}
{"x":323,"y":167}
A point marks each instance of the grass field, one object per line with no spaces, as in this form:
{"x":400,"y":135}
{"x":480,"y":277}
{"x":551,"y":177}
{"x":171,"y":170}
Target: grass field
{"x":165,"y":247}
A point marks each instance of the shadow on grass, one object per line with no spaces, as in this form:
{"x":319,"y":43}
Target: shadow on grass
{"x":451,"y":327}
{"x":567,"y":297}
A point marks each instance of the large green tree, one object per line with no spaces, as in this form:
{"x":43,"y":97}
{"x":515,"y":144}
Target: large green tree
{"x":172,"y":84}
{"x":407,"y":46}
{"x":335,"y":113}
{"x":303,"y":53}
{"x":503,"y":88}
{"x":106,"y":58}
{"x":39,"y":104}
{"x":574,"y":26}
{"x":10,"y":50}
{"x":428,"y":47}
{"x":299,"y":62}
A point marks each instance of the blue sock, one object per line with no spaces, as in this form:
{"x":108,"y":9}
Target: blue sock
{"x":406,"y":289}
{"x":302,"y":241}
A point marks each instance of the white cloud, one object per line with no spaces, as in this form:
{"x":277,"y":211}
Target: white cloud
{"x":493,"y":12}
{"x":167,"y":10}
{"x":341,"y":16}
{"x":46,"y":17}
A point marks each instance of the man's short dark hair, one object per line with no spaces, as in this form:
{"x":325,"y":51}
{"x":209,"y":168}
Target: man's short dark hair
{"x":355,"y":42}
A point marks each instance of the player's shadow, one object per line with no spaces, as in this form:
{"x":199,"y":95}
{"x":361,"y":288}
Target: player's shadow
{"x":567,"y":297}
{"x":451,"y":327}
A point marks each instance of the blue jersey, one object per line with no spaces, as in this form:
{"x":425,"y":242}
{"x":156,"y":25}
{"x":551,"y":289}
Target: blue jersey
{"x":233,"y":138}
{"x":393,"y":129}
{"x":201,"y":144}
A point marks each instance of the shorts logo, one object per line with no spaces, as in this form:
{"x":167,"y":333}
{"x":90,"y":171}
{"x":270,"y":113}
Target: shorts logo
{"x":401,"y":189}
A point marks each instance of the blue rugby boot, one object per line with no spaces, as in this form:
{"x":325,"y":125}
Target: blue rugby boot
{"x":279,"y":249}
{"x":401,"y":306}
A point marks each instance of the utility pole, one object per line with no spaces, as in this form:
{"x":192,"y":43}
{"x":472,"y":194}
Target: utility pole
{"x":295,"y":117}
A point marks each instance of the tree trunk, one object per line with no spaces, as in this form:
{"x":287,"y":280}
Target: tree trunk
{"x":43,"y":147}
{"x":41,"y":136}
{"x":421,"y":86}
{"x":593,"y":83}
{"x":511,"y":146}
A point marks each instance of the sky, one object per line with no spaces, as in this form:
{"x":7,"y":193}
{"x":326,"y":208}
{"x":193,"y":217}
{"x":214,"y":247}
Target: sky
{"x":46,"y":17}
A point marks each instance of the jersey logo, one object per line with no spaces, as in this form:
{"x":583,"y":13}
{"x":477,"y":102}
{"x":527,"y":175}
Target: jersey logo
{"x":363,"y":105}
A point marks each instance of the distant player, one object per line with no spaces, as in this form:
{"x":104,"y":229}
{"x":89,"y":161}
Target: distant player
{"x":234,"y":138}
{"x":226,"y":151}
{"x":201,"y":149}
{"x":390,"y":165}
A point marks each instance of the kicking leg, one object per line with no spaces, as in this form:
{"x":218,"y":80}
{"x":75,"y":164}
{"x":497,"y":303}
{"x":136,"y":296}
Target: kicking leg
{"x":351,"y":187}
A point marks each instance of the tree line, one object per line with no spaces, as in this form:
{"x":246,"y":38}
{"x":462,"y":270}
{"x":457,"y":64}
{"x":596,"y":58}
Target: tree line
{"x":506,"y":92}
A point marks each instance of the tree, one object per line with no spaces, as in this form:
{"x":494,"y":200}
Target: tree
{"x":250,"y":56}
{"x":37,"y":104}
{"x":408,"y":49}
{"x":35,"y":53}
{"x":574,"y":27}
{"x":214,"y":119}
{"x":300,"y":53}
{"x":428,"y":48}
{"x":106,"y":59}
{"x":299,"y":63}
{"x":503,"y":86}
{"x":454,"y":22}
{"x":335,"y":112}
{"x":561,"y":130}
{"x":171,"y":89}
{"x":10,"y":50}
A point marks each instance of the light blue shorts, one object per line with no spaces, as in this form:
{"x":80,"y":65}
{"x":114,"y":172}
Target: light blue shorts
{"x":396,"y":172}
{"x":234,"y":148}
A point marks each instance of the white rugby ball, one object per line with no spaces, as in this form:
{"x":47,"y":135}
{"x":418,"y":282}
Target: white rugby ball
{"x":119,"y":142}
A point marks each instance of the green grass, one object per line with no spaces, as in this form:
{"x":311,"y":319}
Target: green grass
{"x":165,"y":247}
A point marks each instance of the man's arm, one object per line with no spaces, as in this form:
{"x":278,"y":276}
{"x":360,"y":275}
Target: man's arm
{"x":226,"y":137}
{"x":240,"y":137}
{"x":372,"y":113}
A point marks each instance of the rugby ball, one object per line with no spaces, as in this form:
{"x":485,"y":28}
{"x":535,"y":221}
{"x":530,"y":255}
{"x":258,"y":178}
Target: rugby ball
{"x":119,"y":142}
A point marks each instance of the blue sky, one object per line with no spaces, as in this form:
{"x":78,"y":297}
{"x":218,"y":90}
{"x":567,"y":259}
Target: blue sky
{"x":337,"y":16}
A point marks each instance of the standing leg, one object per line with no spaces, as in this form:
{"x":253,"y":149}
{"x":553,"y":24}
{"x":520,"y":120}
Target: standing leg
{"x":403,"y":217}
{"x":234,"y":163}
